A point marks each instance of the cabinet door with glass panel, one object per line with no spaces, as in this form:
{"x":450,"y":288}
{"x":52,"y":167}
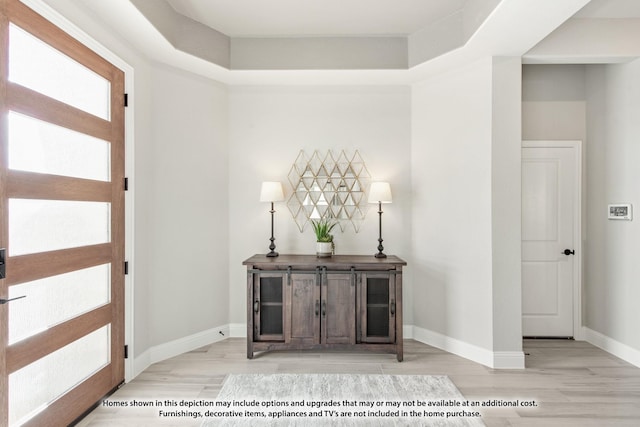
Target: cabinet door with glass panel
{"x":377,"y":308}
{"x":268,"y":306}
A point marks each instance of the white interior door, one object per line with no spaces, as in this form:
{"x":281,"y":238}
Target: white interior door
{"x":550,"y":215}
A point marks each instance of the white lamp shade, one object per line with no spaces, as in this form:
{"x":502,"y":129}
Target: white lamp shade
{"x":271,"y":192}
{"x":380,"y":192}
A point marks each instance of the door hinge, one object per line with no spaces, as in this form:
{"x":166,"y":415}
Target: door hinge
{"x":126,"y":267}
{"x":126,"y":184}
{"x":3,"y":265}
{"x":126,"y":99}
{"x":126,"y":351}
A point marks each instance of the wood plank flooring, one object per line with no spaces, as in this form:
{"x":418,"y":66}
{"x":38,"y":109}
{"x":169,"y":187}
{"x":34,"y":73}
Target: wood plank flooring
{"x":573,"y":382}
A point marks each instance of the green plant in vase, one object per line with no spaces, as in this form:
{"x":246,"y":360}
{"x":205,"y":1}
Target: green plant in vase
{"x":324,"y":239}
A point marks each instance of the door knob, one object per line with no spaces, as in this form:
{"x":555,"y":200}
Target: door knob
{"x":569,"y":252}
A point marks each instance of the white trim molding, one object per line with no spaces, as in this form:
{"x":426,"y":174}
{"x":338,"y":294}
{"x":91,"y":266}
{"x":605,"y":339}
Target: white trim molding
{"x":616,"y":348}
{"x":238,"y":330}
{"x":407,"y":332}
{"x":174,"y":348}
{"x":140,"y":363}
{"x":508,"y":360}
{"x":492,"y":359}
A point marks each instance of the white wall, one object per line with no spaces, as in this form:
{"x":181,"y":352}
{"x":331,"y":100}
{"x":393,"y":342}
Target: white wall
{"x":506,"y":189}
{"x":180,"y":265}
{"x":612,"y":270}
{"x":202,"y":151}
{"x":142,"y":184}
{"x":466,"y":211}
{"x":451,"y":212}
{"x":553,"y":102}
{"x":189,"y":217}
{"x":268,"y":128}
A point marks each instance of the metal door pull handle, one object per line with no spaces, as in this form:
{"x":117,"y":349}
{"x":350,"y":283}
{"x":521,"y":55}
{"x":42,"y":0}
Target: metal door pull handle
{"x":4,"y":301}
{"x":569,"y":252}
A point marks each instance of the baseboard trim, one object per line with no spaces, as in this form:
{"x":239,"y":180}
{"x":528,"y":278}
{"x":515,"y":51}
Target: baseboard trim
{"x":407,"y":332}
{"x":174,"y":348}
{"x":238,"y":330}
{"x":616,"y":348}
{"x":495,"y":360}
{"x":508,"y":360}
{"x":141,"y":363}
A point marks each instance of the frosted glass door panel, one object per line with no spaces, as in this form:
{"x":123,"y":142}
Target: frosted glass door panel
{"x":37,"y":146}
{"x":56,"y":299}
{"x":42,"y":68}
{"x":62,"y":152}
{"x":47,"y":225}
{"x":33,"y":387}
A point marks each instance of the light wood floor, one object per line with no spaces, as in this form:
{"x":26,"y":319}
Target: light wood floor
{"x":574,"y":383}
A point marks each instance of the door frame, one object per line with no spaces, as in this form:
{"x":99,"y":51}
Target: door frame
{"x":56,"y":18}
{"x":576,"y":145}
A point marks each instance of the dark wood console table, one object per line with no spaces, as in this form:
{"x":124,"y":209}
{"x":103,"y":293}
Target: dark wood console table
{"x":297,"y":302}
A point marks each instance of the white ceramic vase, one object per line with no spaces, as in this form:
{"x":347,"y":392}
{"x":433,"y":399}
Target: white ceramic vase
{"x":324,"y":249}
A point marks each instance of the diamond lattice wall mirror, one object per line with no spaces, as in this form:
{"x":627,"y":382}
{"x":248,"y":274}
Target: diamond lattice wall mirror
{"x":329,"y":187}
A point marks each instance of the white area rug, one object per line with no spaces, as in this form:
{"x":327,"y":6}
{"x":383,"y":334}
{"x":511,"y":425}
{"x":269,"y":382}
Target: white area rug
{"x":340,"y":400}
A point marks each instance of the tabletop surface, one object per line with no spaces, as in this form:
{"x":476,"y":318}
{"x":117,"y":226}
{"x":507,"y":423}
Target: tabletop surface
{"x":288,"y":259}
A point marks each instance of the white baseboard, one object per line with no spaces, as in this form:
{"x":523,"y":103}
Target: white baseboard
{"x":141,"y":363}
{"x":508,"y":360}
{"x":618,"y":349}
{"x":238,"y":330}
{"x":496,"y":360}
{"x":174,"y":348}
{"x":407,"y":332}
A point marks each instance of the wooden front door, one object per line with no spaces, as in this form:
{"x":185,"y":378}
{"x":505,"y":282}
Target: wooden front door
{"x":61,"y":222}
